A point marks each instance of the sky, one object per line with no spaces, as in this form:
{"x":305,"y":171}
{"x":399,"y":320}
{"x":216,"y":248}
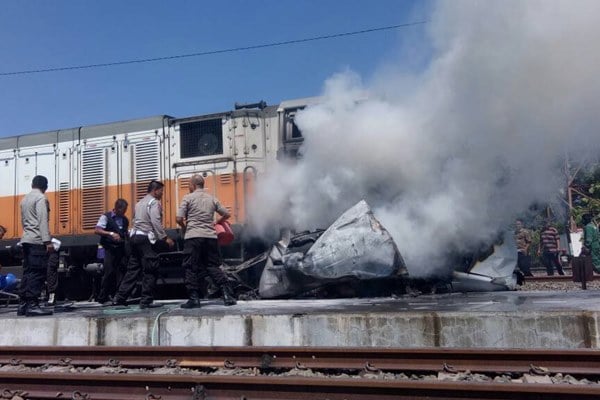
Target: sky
{"x":38,"y":34}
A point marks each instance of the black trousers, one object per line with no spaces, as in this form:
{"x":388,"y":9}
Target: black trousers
{"x":52,"y":272}
{"x":524,"y":263}
{"x":143,"y":262}
{"x":35,"y":264}
{"x":113,"y":272}
{"x":550,"y":261}
{"x":201,"y":259}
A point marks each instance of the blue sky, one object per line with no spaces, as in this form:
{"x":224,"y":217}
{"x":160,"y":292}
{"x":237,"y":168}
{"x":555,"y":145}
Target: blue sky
{"x":47,"y":34}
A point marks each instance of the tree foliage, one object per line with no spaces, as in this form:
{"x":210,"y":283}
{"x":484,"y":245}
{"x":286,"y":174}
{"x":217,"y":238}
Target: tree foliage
{"x":586,"y":193}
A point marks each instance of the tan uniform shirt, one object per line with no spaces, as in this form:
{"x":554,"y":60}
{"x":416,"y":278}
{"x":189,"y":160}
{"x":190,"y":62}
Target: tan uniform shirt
{"x":198,"y":208}
{"x":35,"y":212}
{"x":148,"y":217}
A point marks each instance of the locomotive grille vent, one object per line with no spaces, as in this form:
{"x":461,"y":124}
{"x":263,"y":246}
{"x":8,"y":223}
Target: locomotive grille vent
{"x":201,"y":138}
{"x":64,"y":203}
{"x":184,"y":184}
{"x":226,"y":179}
{"x":146,"y":166}
{"x":93,"y":186}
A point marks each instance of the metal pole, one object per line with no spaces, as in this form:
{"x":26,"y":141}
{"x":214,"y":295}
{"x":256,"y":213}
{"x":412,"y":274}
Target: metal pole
{"x":582,"y":272}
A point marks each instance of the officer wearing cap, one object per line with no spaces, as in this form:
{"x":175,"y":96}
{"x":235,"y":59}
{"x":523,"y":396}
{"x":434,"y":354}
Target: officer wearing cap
{"x":37,"y":245}
{"x":146,"y":235}
{"x":201,"y":251}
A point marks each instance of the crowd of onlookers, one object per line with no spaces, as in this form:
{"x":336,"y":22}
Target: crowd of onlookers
{"x":546,"y":247}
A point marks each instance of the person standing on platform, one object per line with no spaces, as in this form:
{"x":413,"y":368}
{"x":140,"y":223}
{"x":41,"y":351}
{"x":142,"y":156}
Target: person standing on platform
{"x":549,"y":246}
{"x":523,"y":240}
{"x":196,"y":216}
{"x":591,"y":241}
{"x":112,"y":228}
{"x":147,"y":233}
{"x":37,"y":245}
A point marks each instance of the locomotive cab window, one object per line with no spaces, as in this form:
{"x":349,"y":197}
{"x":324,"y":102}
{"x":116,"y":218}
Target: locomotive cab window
{"x":201,"y":138}
{"x":291,"y":136}
{"x":293,"y":133}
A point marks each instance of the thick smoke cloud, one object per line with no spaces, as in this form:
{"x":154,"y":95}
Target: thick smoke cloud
{"x":450,"y":155}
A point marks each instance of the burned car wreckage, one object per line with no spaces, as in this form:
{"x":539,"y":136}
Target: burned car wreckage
{"x":357,"y":257}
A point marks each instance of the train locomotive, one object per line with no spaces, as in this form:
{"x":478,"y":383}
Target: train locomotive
{"x":89,"y":167}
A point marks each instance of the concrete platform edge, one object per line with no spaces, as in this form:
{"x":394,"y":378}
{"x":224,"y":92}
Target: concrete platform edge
{"x":547,"y":329}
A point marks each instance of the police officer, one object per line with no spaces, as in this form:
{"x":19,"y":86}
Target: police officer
{"x":201,"y":250}
{"x":112,"y":228}
{"x":37,"y":244}
{"x":146,"y":234}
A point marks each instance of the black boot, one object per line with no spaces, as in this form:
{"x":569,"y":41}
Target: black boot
{"x":22,"y":310}
{"x":34,"y":310}
{"x":193,"y":302}
{"x":119,"y":302}
{"x":228,"y":298}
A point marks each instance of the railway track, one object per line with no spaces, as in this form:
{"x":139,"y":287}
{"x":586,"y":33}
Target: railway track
{"x":288,"y":373}
{"x":549,"y":278}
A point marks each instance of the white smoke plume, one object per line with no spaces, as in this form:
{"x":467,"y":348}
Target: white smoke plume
{"x":450,"y":155}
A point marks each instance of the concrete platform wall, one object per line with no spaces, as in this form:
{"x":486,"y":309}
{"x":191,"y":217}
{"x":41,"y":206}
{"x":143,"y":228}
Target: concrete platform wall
{"x":554,"y":329}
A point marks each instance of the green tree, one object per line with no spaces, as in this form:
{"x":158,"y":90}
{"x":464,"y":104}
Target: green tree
{"x":585,"y":190}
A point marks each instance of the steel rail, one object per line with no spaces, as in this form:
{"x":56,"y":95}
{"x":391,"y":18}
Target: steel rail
{"x":549,"y":278}
{"x":575,"y":362}
{"x":84,"y":386}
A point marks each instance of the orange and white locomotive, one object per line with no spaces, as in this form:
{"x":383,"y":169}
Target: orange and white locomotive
{"x":89,"y":167}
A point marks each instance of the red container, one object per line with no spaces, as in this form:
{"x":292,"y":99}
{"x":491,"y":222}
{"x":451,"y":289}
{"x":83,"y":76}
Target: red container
{"x":224,"y":233}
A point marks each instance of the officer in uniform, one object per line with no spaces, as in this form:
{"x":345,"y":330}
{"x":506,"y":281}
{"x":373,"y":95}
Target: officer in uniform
{"x":112,"y":228}
{"x":146,"y":233}
{"x":37,"y":244}
{"x":201,"y":250}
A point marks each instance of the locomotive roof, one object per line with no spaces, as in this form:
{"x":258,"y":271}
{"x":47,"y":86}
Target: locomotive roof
{"x":84,"y":132}
{"x":268,"y":111}
{"x":296,"y":103}
{"x":133,"y":125}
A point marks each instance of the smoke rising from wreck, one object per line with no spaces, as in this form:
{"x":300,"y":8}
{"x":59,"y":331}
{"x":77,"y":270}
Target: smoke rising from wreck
{"x":448,"y":156}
